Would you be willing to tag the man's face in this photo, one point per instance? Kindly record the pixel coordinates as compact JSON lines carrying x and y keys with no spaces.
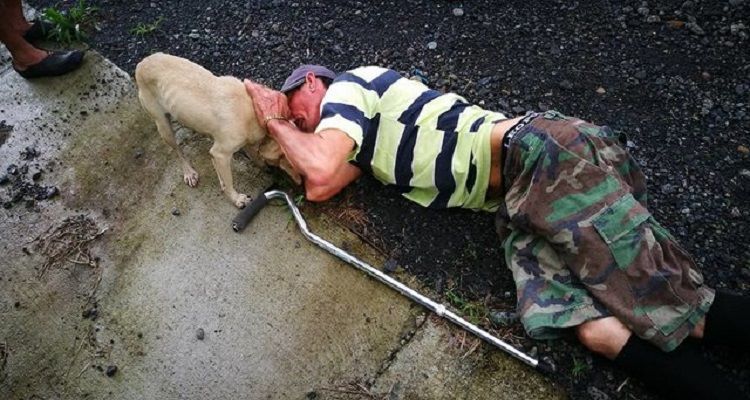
{"x":304,"y":105}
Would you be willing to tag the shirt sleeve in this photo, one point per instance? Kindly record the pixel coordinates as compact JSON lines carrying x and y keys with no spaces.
{"x":345,"y":107}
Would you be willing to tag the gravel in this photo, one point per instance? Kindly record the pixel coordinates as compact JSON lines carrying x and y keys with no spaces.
{"x":673,"y":74}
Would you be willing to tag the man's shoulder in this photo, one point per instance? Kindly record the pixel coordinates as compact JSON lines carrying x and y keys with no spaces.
{"x":365,"y":75}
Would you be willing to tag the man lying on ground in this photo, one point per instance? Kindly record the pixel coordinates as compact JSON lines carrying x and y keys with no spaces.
{"x":570,"y":206}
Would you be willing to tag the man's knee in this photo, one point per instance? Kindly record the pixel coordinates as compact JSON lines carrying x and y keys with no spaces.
{"x":605,"y":336}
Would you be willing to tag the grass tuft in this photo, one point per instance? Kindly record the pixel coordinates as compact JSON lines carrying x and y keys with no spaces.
{"x":143,"y":29}
{"x":474,"y":311}
{"x":67,"y":25}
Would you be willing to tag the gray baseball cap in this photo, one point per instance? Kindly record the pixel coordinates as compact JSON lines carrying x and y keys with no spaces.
{"x":297,"y":76}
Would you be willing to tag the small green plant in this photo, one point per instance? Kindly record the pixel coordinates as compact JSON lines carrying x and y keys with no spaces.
{"x":473,"y":311}
{"x":67,"y":24}
{"x":143,"y":29}
{"x":580,"y":367}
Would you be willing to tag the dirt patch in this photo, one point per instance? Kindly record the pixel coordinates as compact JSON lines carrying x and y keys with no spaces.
{"x":69,"y":242}
{"x":22,"y":182}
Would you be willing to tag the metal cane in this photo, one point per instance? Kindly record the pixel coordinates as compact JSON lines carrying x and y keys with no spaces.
{"x":243,"y":218}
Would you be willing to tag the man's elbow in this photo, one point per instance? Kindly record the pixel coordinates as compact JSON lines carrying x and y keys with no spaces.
{"x":318,"y":193}
{"x":320,"y":188}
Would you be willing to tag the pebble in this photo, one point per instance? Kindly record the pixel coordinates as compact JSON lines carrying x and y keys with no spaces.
{"x":138,"y":153}
{"x":601,"y":90}
{"x":503,"y":318}
{"x":566,"y":84}
{"x":695,"y":28}
{"x":675,"y":24}
{"x":458,"y":11}
{"x":390,"y":266}
{"x":736,"y":212}
{"x":743,"y":149}
{"x":745,"y":173}
{"x":200,"y":334}
{"x":667,"y":188}
{"x":741,"y":89}
{"x":111,"y":370}
{"x":432,"y":45}
{"x":596,"y":394}
{"x":175,"y":211}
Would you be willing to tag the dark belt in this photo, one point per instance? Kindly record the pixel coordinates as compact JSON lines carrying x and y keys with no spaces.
{"x":506,"y":144}
{"x":517,"y":128}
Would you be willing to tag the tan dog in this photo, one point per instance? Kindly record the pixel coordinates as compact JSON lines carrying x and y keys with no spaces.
{"x":219,"y":107}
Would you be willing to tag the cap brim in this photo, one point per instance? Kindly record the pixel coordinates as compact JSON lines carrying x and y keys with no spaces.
{"x":292,"y":85}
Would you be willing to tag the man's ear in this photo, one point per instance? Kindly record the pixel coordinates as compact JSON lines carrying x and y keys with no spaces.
{"x":310,"y":81}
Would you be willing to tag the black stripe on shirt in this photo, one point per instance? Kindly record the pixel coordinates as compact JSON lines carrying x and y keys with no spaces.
{"x":384,"y":81}
{"x":366,"y":151}
{"x":444,"y":180}
{"x":475,"y":126}
{"x":405,"y":153}
{"x":369,"y":129}
{"x":470,"y":180}
{"x":349,"y":77}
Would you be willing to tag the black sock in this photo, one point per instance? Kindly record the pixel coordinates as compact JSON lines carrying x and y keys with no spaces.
{"x":728,"y":321}
{"x":680,"y":374}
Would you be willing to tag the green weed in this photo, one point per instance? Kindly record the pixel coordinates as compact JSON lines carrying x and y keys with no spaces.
{"x":474,"y":312}
{"x":143,"y":29}
{"x":580,"y":367}
{"x":67,"y":25}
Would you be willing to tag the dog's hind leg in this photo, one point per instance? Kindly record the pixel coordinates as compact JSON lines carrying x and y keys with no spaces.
{"x":164,"y":126}
{"x":221,"y":157}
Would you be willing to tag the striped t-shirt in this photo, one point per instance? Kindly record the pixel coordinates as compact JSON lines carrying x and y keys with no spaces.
{"x":434,"y":147}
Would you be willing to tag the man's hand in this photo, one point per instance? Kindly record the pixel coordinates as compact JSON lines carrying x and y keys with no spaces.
{"x":269,"y":104}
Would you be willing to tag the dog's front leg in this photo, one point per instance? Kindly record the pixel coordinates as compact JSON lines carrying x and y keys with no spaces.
{"x":222,"y":161}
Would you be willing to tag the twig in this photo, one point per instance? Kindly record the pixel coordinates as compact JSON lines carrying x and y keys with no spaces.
{"x":473,"y":348}
{"x":622,"y":384}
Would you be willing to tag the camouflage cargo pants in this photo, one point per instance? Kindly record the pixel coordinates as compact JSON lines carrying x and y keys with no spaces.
{"x":581,"y":243}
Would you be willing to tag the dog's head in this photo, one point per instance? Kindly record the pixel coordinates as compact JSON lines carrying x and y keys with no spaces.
{"x":270,"y":153}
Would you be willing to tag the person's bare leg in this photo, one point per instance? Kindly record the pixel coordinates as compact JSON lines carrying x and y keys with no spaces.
{"x":604,"y":336}
{"x":12,"y":27}
{"x":697,"y":332}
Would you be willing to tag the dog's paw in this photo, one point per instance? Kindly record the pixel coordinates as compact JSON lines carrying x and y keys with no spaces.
{"x":191,"y":178}
{"x":240,"y":201}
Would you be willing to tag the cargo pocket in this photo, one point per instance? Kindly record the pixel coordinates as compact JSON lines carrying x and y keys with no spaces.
{"x":617,"y":226}
{"x":651,"y":286}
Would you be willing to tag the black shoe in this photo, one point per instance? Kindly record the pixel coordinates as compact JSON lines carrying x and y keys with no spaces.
{"x":56,"y":63}
{"x":38,"y":30}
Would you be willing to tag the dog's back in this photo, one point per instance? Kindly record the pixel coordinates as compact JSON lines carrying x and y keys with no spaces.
{"x":195,"y":97}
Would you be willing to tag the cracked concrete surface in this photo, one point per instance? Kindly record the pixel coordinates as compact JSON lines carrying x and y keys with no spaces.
{"x":180,"y":304}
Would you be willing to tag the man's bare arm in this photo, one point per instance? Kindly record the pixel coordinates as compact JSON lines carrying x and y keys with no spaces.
{"x":320,"y":157}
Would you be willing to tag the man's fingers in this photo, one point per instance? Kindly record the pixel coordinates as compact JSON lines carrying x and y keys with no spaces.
{"x":252,"y":87}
